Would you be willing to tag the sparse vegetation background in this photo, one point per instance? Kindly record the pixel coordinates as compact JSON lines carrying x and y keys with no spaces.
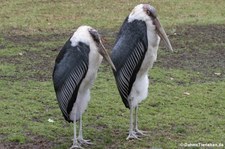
{"x":186,"y":102}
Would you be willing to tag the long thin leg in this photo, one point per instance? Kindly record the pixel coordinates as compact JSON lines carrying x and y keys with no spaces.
{"x":80,"y":129}
{"x":131,"y":121}
{"x":75,"y":142}
{"x":136,"y":118}
{"x":80,"y":137}
{"x":132,"y":134}
{"x":138,"y":132}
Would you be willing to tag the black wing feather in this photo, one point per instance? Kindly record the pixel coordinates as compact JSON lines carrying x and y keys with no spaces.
{"x":128,"y":55}
{"x":71,"y":66}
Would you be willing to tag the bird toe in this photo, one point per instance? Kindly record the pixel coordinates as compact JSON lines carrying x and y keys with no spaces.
{"x":76,"y":146}
{"x":132,"y":135}
{"x":83,"y":141}
{"x":140,"y":132}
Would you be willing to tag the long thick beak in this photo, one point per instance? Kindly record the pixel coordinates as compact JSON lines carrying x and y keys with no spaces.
{"x":162,"y":34}
{"x":105,"y":55}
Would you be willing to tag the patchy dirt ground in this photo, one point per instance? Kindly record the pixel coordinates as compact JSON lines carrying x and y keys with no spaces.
{"x":36,"y":143}
{"x":197,"y":48}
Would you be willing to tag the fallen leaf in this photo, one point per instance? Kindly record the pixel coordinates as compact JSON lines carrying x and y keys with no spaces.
{"x":50,"y":120}
{"x":186,"y":93}
{"x":217,"y":73}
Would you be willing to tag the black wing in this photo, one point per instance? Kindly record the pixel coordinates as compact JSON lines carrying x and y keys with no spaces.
{"x":71,"y":66}
{"x":128,"y":55}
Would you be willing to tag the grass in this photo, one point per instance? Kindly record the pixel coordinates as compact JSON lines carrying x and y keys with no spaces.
{"x":42,"y":15}
{"x":186,"y":99}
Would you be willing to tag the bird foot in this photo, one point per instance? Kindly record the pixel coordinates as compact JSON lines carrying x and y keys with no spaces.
{"x":140,"y":132}
{"x":76,"y":146}
{"x":82,"y":141}
{"x":132,"y":135}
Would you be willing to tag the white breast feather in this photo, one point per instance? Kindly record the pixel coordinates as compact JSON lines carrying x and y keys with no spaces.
{"x":83,"y":96}
{"x":95,"y":60}
{"x":139,"y":89}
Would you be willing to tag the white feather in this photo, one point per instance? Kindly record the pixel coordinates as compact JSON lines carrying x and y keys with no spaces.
{"x":81,"y":35}
{"x":95,"y":59}
{"x":139,"y":89}
{"x":138,"y":14}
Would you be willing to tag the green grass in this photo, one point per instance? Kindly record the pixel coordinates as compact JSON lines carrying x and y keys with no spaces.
{"x":33,"y":31}
{"x":169,"y":115}
{"x":44,"y":15}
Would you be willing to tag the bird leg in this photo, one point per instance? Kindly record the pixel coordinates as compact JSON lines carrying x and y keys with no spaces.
{"x":75,"y":141}
{"x":80,"y":136}
{"x":132,"y":133}
{"x":137,"y":131}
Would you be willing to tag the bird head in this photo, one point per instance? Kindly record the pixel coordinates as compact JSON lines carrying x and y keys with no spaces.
{"x":148,"y":13}
{"x":101,"y":48}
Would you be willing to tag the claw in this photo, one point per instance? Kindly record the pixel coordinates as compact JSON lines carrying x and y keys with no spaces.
{"x":87,"y":142}
{"x":132,"y":135}
{"x":76,"y":146}
{"x":140,"y":132}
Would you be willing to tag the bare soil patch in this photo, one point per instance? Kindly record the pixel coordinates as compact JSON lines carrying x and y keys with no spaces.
{"x":36,"y":142}
{"x":197,"y":48}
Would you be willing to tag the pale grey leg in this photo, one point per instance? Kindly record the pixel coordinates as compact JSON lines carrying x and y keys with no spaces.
{"x":132,"y":134}
{"x":75,"y":141}
{"x":137,"y":131}
{"x":80,"y":137}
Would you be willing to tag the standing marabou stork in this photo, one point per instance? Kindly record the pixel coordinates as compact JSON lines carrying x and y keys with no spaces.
{"x":74,"y":73}
{"x":134,"y":52}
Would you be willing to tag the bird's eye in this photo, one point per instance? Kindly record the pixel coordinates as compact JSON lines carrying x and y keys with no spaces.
{"x":96,"y":38}
{"x":149,"y":12}
{"x":94,"y":35}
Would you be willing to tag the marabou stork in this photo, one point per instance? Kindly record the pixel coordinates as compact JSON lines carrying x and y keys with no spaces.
{"x":74,"y":73}
{"x":134,"y":52}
